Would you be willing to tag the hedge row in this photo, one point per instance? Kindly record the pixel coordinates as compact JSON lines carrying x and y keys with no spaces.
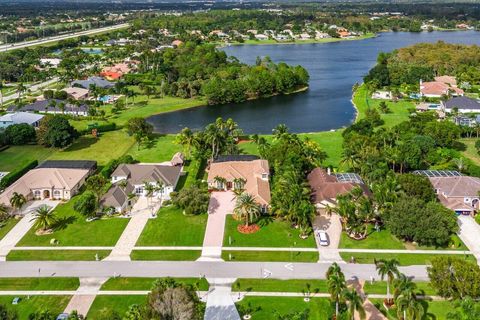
{"x":16,"y":174}
{"x":108,"y":169}
{"x":101,"y":128}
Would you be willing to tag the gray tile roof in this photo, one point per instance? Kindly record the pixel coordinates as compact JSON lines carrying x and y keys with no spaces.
{"x":97,"y":81}
{"x":44,"y":106}
{"x":140,"y":173}
{"x":117,"y":195}
{"x":462,"y":103}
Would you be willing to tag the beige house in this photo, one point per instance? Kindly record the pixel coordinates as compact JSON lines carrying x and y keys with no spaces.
{"x":242,"y":172}
{"x":454,"y":190}
{"x":77,"y":93}
{"x":55,"y":180}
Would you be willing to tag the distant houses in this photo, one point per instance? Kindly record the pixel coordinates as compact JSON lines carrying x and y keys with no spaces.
{"x":98,"y":82}
{"x":52,"y":106}
{"x":20,"y":117}
{"x":77,"y":93}
{"x":442,"y":86}
{"x":461,"y":104}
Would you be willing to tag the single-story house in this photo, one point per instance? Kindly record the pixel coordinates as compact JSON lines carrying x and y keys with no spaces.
{"x":454,"y":190}
{"x":47,"y":106}
{"x":244,"y":172}
{"x":55,"y":180}
{"x":443,"y":85}
{"x":380,"y":94}
{"x":77,"y":93}
{"x":52,"y":62}
{"x":463,"y":104}
{"x":326,"y":186}
{"x":20,"y":117}
{"x":261,"y":37}
{"x":131,"y":179}
{"x":99,"y":82}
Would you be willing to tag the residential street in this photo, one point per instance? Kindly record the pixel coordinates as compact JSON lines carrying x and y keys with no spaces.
{"x":209,"y":269}
{"x":32,"y":88}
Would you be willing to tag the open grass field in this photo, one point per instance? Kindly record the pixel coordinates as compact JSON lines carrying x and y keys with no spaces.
{"x":272,"y":234}
{"x":17,"y":156}
{"x":74,"y":230}
{"x":143,"y":284}
{"x":272,"y":307}
{"x":405,"y":259}
{"x":471,"y":151}
{"x":39,"y":283}
{"x":117,"y":303}
{"x":275,"y":285}
{"x":56,"y":255}
{"x":173,"y":228}
{"x":32,"y":304}
{"x":7,"y":226}
{"x":166,"y":255}
{"x":161,"y":149}
{"x":110,"y":145}
{"x":272,"y":256}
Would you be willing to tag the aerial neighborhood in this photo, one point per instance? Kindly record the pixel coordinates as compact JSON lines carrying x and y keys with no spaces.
{"x":222,"y":160}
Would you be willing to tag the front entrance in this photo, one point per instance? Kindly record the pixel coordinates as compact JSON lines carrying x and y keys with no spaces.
{"x":229,"y":185}
{"x":46,"y":194}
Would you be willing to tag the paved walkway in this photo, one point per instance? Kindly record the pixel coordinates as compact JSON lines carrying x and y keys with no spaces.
{"x":333,"y":227}
{"x":220,"y":305}
{"x":221,"y":204}
{"x":372,"y":313}
{"x":85,"y":295}
{"x":142,"y":210}
{"x":21,"y":228}
{"x":469,"y":233}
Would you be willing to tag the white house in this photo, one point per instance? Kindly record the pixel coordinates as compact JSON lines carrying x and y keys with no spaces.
{"x":20,"y":117}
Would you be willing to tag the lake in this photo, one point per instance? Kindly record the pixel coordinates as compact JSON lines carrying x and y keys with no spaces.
{"x":333,"y":67}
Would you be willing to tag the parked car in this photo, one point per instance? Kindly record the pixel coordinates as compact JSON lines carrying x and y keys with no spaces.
{"x":322,"y":235}
{"x":62,"y":316}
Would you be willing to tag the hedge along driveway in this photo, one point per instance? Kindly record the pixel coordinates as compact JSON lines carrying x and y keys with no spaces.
{"x":74,"y":230}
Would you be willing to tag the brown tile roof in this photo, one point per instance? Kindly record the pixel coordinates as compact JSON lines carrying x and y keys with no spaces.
{"x":251,"y":171}
{"x":326,"y":187}
{"x":438,"y":88}
{"x":452,"y":81}
{"x":460,"y":186}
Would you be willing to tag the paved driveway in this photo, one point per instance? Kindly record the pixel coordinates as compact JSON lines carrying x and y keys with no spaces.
{"x":470,"y":234}
{"x":333,"y":227}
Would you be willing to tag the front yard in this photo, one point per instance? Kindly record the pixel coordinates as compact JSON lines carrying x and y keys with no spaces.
{"x":31,"y":304}
{"x":74,"y":230}
{"x":117,"y":303}
{"x":7,"y":226}
{"x":57,"y":255}
{"x":173,"y":228}
{"x":275,"y":233}
{"x":145,"y":284}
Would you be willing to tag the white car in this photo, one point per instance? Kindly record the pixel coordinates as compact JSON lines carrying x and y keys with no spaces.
{"x":323,"y":237}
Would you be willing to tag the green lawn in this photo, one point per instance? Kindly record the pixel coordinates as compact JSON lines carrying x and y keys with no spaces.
{"x":110,"y":145}
{"x":273,"y":234}
{"x":287,"y":256}
{"x":173,"y":228}
{"x":56,"y":255}
{"x":39,"y":283}
{"x":143,"y":284}
{"x":385,"y":240}
{"x":28,"y":305}
{"x":471,"y":151}
{"x":16,"y":156}
{"x":166,"y":255}
{"x":270,"y":307}
{"x":161,"y":149}
{"x":117,"y":303}
{"x":380,"y":287}
{"x":435,"y":310}
{"x":275,"y":285}
{"x":7,"y":226}
{"x":405,"y":259}
{"x":74,"y":230}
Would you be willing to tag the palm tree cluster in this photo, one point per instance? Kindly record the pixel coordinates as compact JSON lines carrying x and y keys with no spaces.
{"x":217,"y":138}
{"x":340,"y":294}
{"x":247,"y":208}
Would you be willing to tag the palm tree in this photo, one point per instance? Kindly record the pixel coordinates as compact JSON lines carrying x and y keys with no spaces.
{"x":186,"y":139}
{"x":220,"y":181}
{"x":409,"y":307}
{"x":44,"y":218}
{"x":149,"y":189}
{"x":389,"y":269}
{"x":3,"y":211}
{"x":247,"y":208}
{"x":354,"y":303}
{"x":334,"y":270}
{"x":20,"y":89}
{"x":17,"y":201}
{"x":403,"y":285}
{"x":336,"y":286}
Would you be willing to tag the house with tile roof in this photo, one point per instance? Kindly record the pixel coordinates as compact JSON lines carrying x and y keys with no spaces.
{"x":130,"y":179}
{"x":99,"y":82}
{"x":463,"y":105}
{"x":326,"y":186}
{"x":20,"y":117}
{"x":443,"y":85}
{"x":242,"y":173}
{"x":52,"y":106}
{"x":50,"y":181}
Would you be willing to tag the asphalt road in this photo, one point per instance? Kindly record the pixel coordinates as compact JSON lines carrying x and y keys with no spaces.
{"x":25,"y":44}
{"x":154,"y":269}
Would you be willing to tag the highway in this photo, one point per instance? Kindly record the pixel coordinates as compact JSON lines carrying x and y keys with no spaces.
{"x":25,"y":44}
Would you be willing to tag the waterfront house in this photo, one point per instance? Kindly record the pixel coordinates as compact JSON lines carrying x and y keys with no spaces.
{"x":245,"y":173}
{"x":442,"y":86}
{"x":462,"y":104}
{"x":20,"y":117}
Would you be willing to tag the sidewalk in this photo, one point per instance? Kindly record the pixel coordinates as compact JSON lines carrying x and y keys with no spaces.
{"x":220,"y":305}
{"x":21,"y":228}
{"x":141,"y":212}
{"x":469,"y":233}
{"x":221,"y":204}
{"x":85,"y":295}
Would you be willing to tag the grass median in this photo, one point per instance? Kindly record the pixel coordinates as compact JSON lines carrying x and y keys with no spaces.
{"x":274,"y":307}
{"x":143,"y":284}
{"x":57,"y":255}
{"x":275,"y":285}
{"x":405,"y":259}
{"x":39,"y":283}
{"x":166,"y":255}
{"x":271,"y":256}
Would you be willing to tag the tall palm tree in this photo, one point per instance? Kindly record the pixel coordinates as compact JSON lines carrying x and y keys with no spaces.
{"x":44,"y":218}
{"x":389,"y":269}
{"x":336,"y":287}
{"x":21,"y":88}
{"x":354,"y":303}
{"x":17,"y":201}
{"x":408,"y":307}
{"x":149,"y":190}
{"x":186,"y":139}
{"x":247,"y":208}
{"x":403,"y":285}
{"x":334,"y":270}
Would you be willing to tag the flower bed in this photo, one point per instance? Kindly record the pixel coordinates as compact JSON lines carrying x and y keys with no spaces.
{"x":248,"y":229}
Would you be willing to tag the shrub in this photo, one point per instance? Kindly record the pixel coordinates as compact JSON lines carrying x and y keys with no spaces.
{"x":16,"y":174}
{"x":193,"y":200}
{"x":18,"y":134}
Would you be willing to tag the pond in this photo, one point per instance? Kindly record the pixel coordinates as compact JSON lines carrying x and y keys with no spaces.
{"x":334,"y":68}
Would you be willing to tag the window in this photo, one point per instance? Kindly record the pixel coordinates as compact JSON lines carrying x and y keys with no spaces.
{"x":139,"y":190}
{"x":37,"y":194}
{"x":264,"y":176}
